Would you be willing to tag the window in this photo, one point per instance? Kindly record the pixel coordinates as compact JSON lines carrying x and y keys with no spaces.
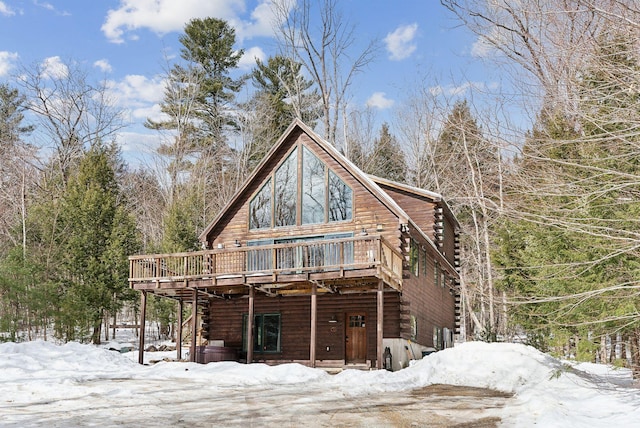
{"x":437,"y":338}
{"x":260,"y":208}
{"x":322,"y":196}
{"x":413,"y":257}
{"x":423,"y":261}
{"x":340,"y":199}
{"x":357,"y":321}
{"x":286,"y":186}
{"x":436,"y":274}
{"x":313,"y":188}
{"x":266,"y":333}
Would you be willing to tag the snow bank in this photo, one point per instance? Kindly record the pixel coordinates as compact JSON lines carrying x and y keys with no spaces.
{"x":547,"y":392}
{"x":229,"y":373}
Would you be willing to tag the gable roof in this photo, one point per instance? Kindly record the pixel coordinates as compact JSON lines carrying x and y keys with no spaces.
{"x":433,"y":196}
{"x":369,"y":182}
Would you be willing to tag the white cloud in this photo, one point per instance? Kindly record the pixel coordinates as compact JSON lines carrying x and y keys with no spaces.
{"x":44,"y":5}
{"x":164,"y":16}
{"x":48,"y":6}
{"x":400,"y":43}
{"x":451,"y":90}
{"x":5,"y":9}
{"x":262,"y":21}
{"x":248,"y":60}
{"x":103,"y":65}
{"x":137,"y":142}
{"x":6,"y":62}
{"x":138,"y":88}
{"x":54,"y":68}
{"x":380,"y":101}
{"x":481,"y":48}
{"x":139,"y":95}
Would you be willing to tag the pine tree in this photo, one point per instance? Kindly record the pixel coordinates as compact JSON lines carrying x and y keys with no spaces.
{"x":207,"y":49}
{"x":282,"y":94}
{"x":576,"y":231}
{"x":94,"y":235}
{"x":387,"y":159}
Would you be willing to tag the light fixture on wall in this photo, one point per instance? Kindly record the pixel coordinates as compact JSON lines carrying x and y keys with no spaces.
{"x":236,"y":243}
{"x":220,"y":246}
{"x":379,"y":227}
{"x":363,"y":232}
{"x":333,"y":319}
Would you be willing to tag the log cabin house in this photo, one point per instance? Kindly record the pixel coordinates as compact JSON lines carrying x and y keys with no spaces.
{"x":313,"y":261}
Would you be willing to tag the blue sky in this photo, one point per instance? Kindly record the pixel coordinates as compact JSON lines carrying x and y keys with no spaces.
{"x":128,"y":43}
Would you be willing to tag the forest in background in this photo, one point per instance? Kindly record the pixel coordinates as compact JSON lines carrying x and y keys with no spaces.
{"x":544,"y":177}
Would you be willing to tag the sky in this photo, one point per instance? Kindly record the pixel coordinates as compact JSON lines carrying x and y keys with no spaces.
{"x":130,"y":42}
{"x":49,"y":385}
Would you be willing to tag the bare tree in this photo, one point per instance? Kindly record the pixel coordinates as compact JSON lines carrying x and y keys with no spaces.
{"x":548,"y":40}
{"x":17,"y":173}
{"x":455,"y":150}
{"x":70,"y":111}
{"x":317,"y":35}
{"x":178,"y":129}
{"x":571,"y":243}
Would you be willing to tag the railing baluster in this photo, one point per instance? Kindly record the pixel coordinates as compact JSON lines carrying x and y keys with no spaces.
{"x":333,"y":255}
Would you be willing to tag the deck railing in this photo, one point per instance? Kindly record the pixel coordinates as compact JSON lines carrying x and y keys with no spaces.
{"x":296,"y":257}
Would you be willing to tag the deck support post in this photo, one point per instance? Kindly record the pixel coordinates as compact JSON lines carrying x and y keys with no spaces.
{"x":314,"y":316}
{"x":143,"y":320}
{"x":380,"y":324}
{"x":194,"y":326}
{"x":250,"y":318}
{"x":179,"y":332}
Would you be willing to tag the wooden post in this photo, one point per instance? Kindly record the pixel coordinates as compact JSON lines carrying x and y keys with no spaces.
{"x":380,"y":324}
{"x":314,"y":313}
{"x":250,"y":327}
{"x":179,"y":332}
{"x":194,"y":326}
{"x":143,"y":320}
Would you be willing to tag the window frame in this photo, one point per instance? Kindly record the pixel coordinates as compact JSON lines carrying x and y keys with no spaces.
{"x":257,"y":347}
{"x":329,"y":176}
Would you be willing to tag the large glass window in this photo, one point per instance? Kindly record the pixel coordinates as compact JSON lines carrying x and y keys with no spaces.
{"x":340,"y":199}
{"x":286,"y":186}
{"x":322,"y":197}
{"x":313,"y":188}
{"x":260,"y":208}
{"x":266,"y":333}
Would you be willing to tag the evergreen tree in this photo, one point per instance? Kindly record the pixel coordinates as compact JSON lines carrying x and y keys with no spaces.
{"x":465,"y":170}
{"x":387,"y":159}
{"x":199,"y":100}
{"x":94,"y":235}
{"x":12,"y":107}
{"x":207,"y":49}
{"x":575,"y":239}
{"x":282,"y":94}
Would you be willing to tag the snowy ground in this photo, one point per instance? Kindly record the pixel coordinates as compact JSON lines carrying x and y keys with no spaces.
{"x":43,"y":384}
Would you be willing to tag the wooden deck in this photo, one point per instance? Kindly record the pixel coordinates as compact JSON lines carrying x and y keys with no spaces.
{"x":335,"y":265}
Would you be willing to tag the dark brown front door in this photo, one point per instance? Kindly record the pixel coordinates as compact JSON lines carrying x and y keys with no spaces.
{"x":356,"y":338}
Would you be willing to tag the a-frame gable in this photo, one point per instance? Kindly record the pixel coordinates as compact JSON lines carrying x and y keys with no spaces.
{"x":270,"y":161}
{"x":328,"y":154}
